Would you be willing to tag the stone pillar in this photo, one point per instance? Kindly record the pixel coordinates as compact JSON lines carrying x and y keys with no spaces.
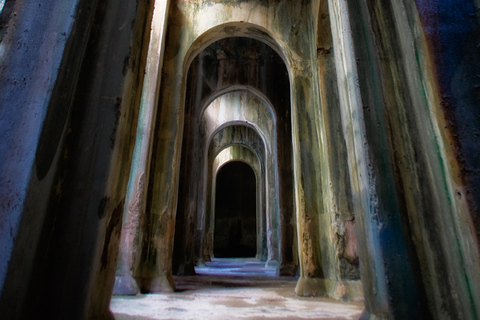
{"x":343,"y":237}
{"x":288,"y":261}
{"x":186,"y":215}
{"x":387,"y":266}
{"x":134,"y":210}
{"x":70,"y":91}
{"x":155,"y":271}
{"x":311,"y":184}
{"x":354,"y":133}
{"x":34,"y":95}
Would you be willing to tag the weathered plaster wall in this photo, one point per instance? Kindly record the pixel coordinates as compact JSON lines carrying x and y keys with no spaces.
{"x":24,"y":100}
{"x":452,"y":34}
{"x":451,"y":38}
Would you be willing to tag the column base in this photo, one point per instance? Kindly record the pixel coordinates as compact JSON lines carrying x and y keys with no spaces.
{"x":200,"y":263}
{"x":125,"y":285}
{"x":311,"y":287}
{"x":370,"y":316}
{"x":154,"y":285}
{"x":271,"y":263}
{"x":106,"y":315}
{"x":346,"y":290}
{"x":186,"y":269}
{"x":287,"y":270}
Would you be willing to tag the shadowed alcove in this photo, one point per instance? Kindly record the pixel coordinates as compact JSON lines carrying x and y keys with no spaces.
{"x":235,"y":233}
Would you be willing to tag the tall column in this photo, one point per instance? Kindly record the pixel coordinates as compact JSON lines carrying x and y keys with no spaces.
{"x":355,"y":136}
{"x":135,"y":203}
{"x":288,"y":264}
{"x":311,"y":185}
{"x":371,"y":108}
{"x":35,"y":102}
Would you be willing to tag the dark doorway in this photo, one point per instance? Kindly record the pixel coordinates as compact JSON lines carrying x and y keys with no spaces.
{"x":235,"y":232}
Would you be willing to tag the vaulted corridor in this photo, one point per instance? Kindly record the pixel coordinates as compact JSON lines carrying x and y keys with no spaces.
{"x":317,"y":156}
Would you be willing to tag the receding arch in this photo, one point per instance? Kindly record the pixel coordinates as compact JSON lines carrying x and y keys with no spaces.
{"x":250,"y":91}
{"x":241,"y":102}
{"x":184,"y":214}
{"x":242,"y":143}
{"x":239,"y":107}
{"x":235,"y":29}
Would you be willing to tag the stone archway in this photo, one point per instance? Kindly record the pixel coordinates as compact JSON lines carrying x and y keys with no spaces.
{"x":308,"y":187}
{"x":246,"y":146}
{"x":228,"y":85}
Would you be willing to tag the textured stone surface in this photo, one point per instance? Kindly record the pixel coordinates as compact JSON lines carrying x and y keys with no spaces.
{"x":304,"y":115}
{"x":134,"y":217}
{"x":275,"y":302}
{"x":233,"y":289}
{"x":375,"y":130}
{"x":82,"y":71}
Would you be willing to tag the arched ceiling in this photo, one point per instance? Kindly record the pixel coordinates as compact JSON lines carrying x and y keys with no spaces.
{"x":238,"y":63}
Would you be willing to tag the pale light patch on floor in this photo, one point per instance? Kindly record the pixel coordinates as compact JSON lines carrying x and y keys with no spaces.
{"x":223,"y":291}
{"x":228,"y":303}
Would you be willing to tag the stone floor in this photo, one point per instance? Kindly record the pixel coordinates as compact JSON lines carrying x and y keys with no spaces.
{"x":232,"y":289}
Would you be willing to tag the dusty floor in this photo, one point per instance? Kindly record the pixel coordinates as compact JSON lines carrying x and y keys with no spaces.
{"x":232,"y":289}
